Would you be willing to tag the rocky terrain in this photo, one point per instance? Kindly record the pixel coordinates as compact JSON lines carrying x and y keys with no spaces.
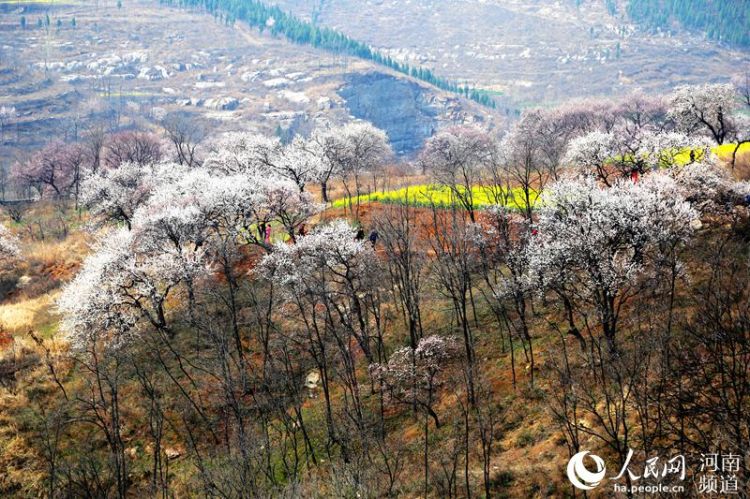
{"x":402,"y":107}
{"x":531,"y":50}
{"x":116,"y":66}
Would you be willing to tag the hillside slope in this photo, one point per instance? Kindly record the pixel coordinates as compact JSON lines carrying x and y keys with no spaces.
{"x":133,"y":65}
{"x":534,"y":51}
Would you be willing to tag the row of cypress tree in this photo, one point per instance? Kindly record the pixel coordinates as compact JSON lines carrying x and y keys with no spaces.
{"x":258,"y":14}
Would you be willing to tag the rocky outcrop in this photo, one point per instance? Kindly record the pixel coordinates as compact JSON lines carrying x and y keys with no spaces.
{"x":392,"y":104}
{"x":222,"y":103}
{"x":407,"y":111}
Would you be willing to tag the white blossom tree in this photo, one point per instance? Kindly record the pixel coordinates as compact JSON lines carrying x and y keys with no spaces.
{"x":706,"y":109}
{"x":365,"y":149}
{"x":349,"y":151}
{"x":115,"y":194}
{"x":329,"y":267}
{"x":298,"y":163}
{"x":289,"y":207}
{"x":177,"y":215}
{"x":329,"y":283}
{"x":242,"y":152}
{"x":612,"y":155}
{"x":593,"y":243}
{"x":709,"y":186}
{"x":592,"y":153}
{"x":234,"y":205}
{"x":458,"y":158}
{"x":122,"y":289}
{"x":8,"y":244}
{"x":660,"y":150}
{"x":332,"y":267}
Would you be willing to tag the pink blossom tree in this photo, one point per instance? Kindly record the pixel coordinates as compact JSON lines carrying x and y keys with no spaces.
{"x":57,"y":169}
{"x":412,"y":376}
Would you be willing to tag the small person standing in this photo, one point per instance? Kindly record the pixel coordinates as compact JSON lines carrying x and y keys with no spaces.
{"x":373,"y":237}
{"x":360,"y":234}
{"x":268,"y":234}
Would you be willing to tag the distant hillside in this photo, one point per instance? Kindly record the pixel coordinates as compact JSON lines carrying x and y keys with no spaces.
{"x":540,"y":51}
{"x":279,"y":22}
{"x":723,"y":20}
{"x":154,"y":61}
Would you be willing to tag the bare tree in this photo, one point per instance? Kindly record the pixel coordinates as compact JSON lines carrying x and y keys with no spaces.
{"x":7,"y":115}
{"x":406,"y":263}
{"x":185,"y":135}
{"x":141,"y":148}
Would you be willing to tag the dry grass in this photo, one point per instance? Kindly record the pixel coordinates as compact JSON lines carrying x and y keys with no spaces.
{"x":742,"y":165}
{"x":35,"y":314}
{"x":52,"y":248}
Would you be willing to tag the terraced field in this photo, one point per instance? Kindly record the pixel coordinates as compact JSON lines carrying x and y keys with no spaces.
{"x":535,"y":52}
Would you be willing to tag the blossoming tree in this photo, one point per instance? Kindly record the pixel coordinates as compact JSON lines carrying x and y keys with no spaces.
{"x":8,"y":244}
{"x":594,"y":244}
